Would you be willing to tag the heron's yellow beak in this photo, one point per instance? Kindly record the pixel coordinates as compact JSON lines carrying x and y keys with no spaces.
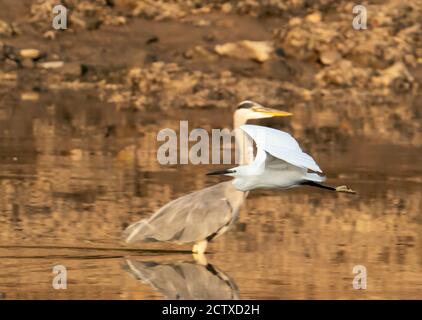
{"x":270,"y":112}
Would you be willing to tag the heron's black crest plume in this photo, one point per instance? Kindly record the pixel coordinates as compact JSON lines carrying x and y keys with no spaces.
{"x":245,"y":105}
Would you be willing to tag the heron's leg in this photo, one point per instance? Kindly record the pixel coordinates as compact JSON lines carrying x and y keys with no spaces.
{"x":198,"y":251}
{"x":200,"y":247}
{"x":200,"y":259}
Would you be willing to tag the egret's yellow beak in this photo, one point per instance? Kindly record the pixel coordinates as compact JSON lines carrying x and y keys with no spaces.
{"x":270,"y":112}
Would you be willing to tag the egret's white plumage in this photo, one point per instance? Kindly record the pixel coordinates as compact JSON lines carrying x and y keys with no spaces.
{"x":279,"y":162}
{"x":269,"y":172}
{"x":280,"y":145}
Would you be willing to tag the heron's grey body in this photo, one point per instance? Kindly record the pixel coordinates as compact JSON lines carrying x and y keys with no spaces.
{"x":196,"y":217}
{"x":185,"y":280}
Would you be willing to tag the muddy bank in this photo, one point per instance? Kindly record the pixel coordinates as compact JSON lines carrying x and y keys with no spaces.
{"x":173,"y":55}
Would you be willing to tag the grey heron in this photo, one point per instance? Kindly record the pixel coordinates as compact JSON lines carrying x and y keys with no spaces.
{"x":203,"y":215}
{"x":280,"y":163}
{"x":185,"y":280}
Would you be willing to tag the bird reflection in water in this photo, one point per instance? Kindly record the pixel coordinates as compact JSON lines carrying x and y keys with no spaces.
{"x":185,"y":280}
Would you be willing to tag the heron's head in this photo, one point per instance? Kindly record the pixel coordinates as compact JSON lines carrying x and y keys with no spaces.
{"x":248,"y":110}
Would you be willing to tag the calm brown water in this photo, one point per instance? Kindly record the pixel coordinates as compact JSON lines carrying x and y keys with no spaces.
{"x":75,"y":171}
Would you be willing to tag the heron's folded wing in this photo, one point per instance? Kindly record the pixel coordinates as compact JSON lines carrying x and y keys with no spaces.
{"x":192,"y":217}
{"x":280,"y":145}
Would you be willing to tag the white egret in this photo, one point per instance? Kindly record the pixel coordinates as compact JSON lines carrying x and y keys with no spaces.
{"x":206,"y":214}
{"x":280,"y":163}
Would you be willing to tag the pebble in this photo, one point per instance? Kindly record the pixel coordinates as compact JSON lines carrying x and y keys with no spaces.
{"x":295,"y":21}
{"x":256,"y":50}
{"x":314,"y":17}
{"x":51,"y":35}
{"x":30,"y":96}
{"x":330,"y":56}
{"x":227,"y":7}
{"x":30,"y":53}
{"x":76,"y":154}
{"x":202,"y":23}
{"x":51,"y":64}
{"x":5,"y":29}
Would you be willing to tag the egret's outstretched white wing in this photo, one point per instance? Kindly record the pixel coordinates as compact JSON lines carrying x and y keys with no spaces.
{"x":280,"y":145}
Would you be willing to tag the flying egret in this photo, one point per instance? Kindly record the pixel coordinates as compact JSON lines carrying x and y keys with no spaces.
{"x":205,"y":214}
{"x":280,"y":163}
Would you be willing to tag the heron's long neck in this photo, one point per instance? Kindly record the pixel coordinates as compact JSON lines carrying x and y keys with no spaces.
{"x":244,"y":146}
{"x":242,"y":142}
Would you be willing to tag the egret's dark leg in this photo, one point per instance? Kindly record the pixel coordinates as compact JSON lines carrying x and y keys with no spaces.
{"x":317,"y":185}
{"x":336,"y":189}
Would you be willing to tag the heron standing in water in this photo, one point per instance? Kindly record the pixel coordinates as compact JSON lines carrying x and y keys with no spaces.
{"x":201,"y":216}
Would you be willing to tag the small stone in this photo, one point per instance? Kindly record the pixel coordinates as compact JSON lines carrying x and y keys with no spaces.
{"x":226,"y":74}
{"x":30,"y":53}
{"x":397,"y":77}
{"x":330,"y":56}
{"x":204,"y":9}
{"x":188,"y":54}
{"x":30,"y":96}
{"x":8,"y":77}
{"x":76,"y":154}
{"x":256,"y":50}
{"x":118,"y":21}
{"x":295,"y":21}
{"x":202,"y":23}
{"x":227,"y":7}
{"x":314,"y":17}
{"x":51,"y":35}
{"x":51,"y":64}
{"x":5,"y":29}
{"x":199,"y":52}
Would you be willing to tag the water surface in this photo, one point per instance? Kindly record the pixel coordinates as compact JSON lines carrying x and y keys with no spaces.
{"x":75,"y":171}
